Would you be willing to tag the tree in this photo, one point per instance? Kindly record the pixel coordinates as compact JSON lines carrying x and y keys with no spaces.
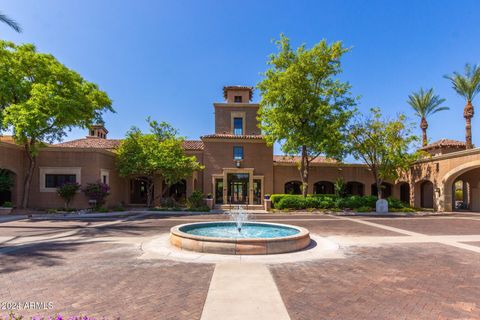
{"x":157,"y":153}
{"x":467,"y":86}
{"x":303,"y":106}
{"x":10,"y":22}
{"x":383,"y":145}
{"x":41,"y":99}
{"x":67,"y":192}
{"x":425,"y":104}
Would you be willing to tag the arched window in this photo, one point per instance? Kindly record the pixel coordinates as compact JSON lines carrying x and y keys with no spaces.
{"x":323,"y":187}
{"x":293,"y":187}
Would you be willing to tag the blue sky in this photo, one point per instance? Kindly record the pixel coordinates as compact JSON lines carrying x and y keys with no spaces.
{"x":170,"y":59}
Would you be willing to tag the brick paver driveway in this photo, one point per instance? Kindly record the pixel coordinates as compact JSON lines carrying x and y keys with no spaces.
{"x":73,"y":265}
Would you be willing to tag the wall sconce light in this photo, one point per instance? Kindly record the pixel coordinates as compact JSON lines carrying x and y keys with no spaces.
{"x":237,"y":164}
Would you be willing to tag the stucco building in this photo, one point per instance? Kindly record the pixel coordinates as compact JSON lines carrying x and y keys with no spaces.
{"x":239,"y":167}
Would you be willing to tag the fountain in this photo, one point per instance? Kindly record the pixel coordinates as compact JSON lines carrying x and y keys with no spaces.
{"x":239,"y":216}
{"x":239,"y":236}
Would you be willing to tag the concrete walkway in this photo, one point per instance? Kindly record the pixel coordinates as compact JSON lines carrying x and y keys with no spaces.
{"x":243,"y":291}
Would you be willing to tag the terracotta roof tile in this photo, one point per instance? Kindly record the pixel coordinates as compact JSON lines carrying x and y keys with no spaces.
{"x":296,"y":159}
{"x":98,"y":143}
{"x":226,"y":88}
{"x":442,"y":143}
{"x":231,"y":136}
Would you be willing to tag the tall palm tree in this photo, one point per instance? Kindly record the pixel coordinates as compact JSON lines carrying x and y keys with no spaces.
{"x":425,"y":103}
{"x":12,"y":23}
{"x":467,"y":86}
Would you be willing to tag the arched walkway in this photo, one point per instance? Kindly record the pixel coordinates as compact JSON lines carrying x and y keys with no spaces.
{"x":386,"y":190}
{"x":355,"y":188}
{"x":293,"y":187}
{"x":404,"y":192}
{"x":177,"y":191}
{"x":469,"y":172}
{"x":323,"y":187}
{"x":7,"y":186}
{"x":426,"y":194}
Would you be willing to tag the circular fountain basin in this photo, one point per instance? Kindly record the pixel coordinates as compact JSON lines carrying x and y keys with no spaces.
{"x":254,"y":238}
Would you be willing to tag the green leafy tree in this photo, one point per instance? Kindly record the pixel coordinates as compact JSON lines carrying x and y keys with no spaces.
{"x":67,"y":192}
{"x":467,"y":85}
{"x":425,"y":104}
{"x":157,"y":153}
{"x":383,"y":145}
{"x":303,"y":106}
{"x":41,"y":100}
{"x":10,"y":22}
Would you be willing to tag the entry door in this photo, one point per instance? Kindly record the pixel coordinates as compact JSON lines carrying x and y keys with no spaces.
{"x":138,"y":191}
{"x":238,"y":192}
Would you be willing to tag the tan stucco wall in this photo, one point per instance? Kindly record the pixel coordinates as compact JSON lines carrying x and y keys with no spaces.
{"x":219,"y":155}
{"x":223,"y":117}
{"x":12,"y":158}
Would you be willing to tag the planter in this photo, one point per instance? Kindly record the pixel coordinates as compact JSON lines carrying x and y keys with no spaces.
{"x":5,"y":210}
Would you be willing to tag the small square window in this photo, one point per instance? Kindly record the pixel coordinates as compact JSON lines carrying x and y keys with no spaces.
{"x":237,"y":153}
{"x":237,"y":99}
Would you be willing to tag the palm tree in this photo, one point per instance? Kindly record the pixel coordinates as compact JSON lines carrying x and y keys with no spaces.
{"x":12,"y":23}
{"x":467,"y":86}
{"x":425,"y":104}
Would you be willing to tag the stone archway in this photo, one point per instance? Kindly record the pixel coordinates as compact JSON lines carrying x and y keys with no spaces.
{"x":426,"y":194}
{"x":470,"y":171}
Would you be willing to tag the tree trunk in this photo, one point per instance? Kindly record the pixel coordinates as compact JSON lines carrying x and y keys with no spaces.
{"x":379,"y":189}
{"x":468,"y":113}
{"x":424,"y":127}
{"x":150,"y":185}
{"x":304,"y":166}
{"x":32,"y":160}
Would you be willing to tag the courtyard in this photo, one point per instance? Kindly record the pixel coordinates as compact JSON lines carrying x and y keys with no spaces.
{"x":384,"y":268}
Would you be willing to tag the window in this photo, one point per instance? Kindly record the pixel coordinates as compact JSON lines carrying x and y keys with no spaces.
{"x":57,"y":180}
{"x":104,"y":179}
{"x":238,"y":126}
{"x":237,"y":99}
{"x":237,"y":153}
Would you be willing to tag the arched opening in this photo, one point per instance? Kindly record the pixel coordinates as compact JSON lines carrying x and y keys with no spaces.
{"x":386,"y":190}
{"x":405,"y":192}
{"x":177,"y":191}
{"x":293,"y":187}
{"x":138,"y":190}
{"x":323,"y":187}
{"x":469,"y":172}
{"x":195,"y":184}
{"x":355,"y":188}
{"x":7,"y":182}
{"x":426,"y":194}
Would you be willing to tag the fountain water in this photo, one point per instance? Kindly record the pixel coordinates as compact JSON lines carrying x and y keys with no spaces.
{"x":239,"y":215}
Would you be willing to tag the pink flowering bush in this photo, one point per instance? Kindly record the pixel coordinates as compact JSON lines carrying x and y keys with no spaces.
{"x":97,"y":191}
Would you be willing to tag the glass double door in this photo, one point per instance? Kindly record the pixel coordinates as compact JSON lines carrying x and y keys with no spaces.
{"x":237,"y":188}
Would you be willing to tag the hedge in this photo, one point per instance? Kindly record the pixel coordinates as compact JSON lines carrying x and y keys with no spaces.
{"x":285,"y":201}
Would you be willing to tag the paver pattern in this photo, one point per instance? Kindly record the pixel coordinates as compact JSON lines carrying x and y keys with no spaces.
{"x":81,"y":271}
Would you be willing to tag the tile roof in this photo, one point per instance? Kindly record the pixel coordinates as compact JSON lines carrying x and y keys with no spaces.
{"x":296,"y":159}
{"x":232,"y":136}
{"x":7,"y":139}
{"x":226,"y":88}
{"x":98,"y":143}
{"x":442,"y":143}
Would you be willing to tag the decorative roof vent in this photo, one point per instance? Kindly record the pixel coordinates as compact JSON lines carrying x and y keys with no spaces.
{"x":98,"y":131}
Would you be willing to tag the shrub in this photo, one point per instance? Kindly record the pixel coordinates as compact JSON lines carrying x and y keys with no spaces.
{"x":195,"y":200}
{"x":365,"y":209}
{"x":292,"y":202}
{"x":7,"y":204}
{"x":67,"y":191}
{"x":168,"y":202}
{"x":6,"y":180}
{"x":340,"y":188}
{"x":97,"y":191}
{"x":395,"y":204}
{"x":102,"y":210}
